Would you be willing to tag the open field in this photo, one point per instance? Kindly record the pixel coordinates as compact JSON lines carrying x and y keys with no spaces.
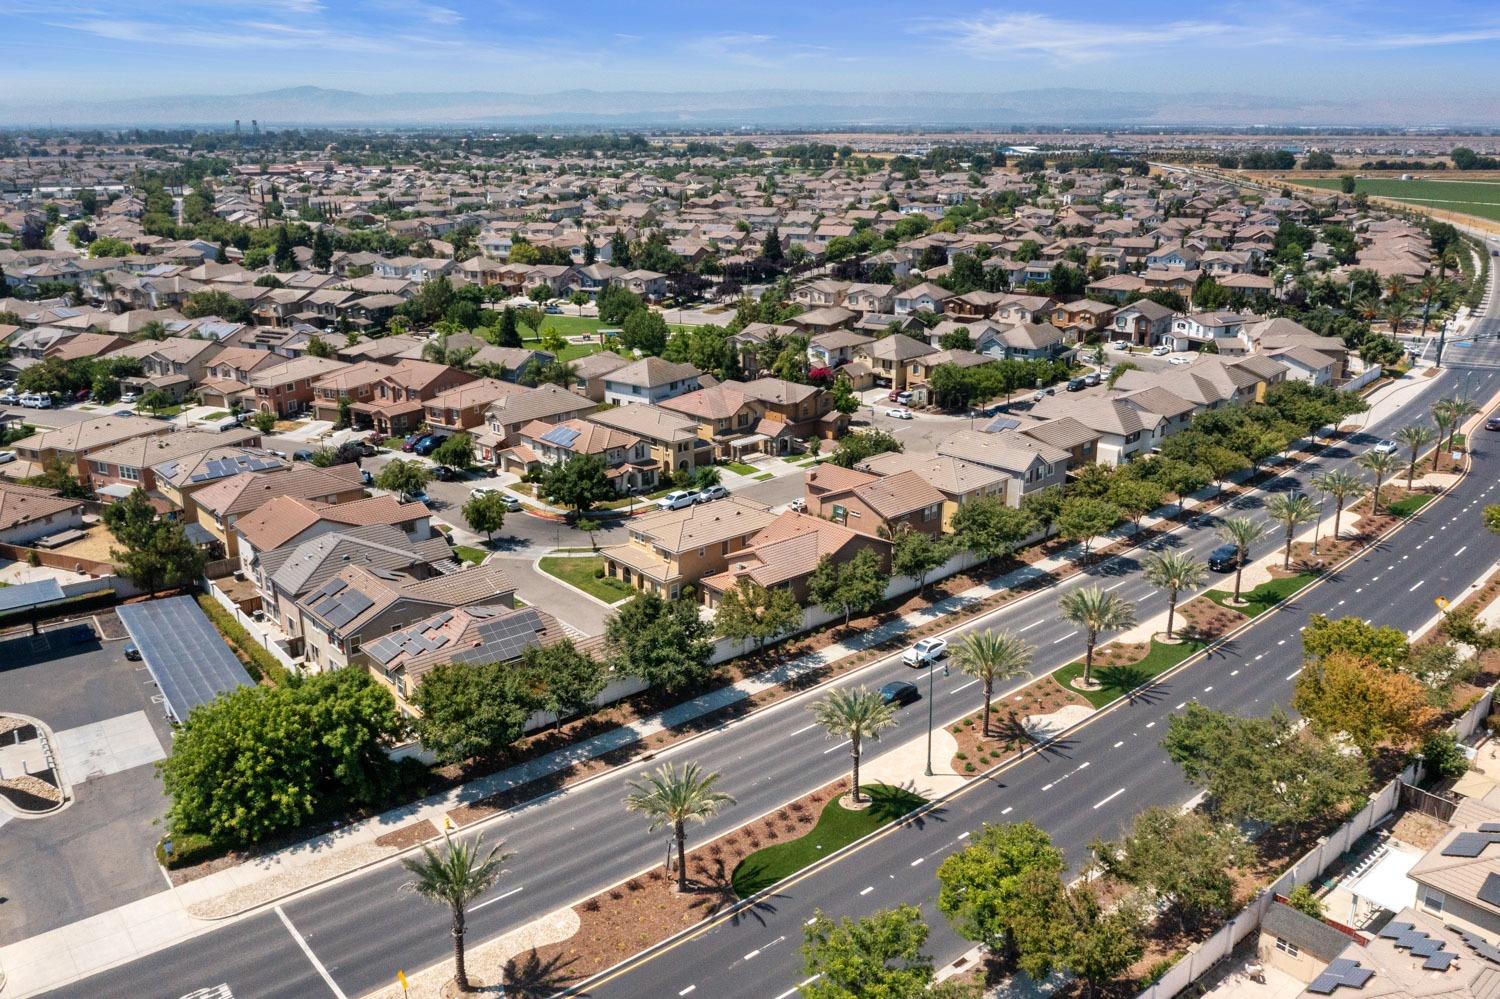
{"x":1481,"y":198}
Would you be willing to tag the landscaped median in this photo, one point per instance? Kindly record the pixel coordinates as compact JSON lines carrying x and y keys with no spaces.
{"x":1263,"y":597}
{"x":1120,"y":669}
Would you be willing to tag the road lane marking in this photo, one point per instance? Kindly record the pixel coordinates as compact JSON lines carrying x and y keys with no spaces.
{"x":914,"y":863}
{"x":868,"y":890}
{"x":1065,"y":637}
{"x":1151,"y":724}
{"x":1110,"y":798}
{"x":1034,"y":624}
{"x":839,"y":746}
{"x":1121,"y":583}
{"x":1294,"y":672}
{"x":687,"y":990}
{"x":497,"y":898}
{"x":753,"y":954}
{"x":1414,"y":586}
{"x":965,"y":686}
{"x":1180,"y":706}
{"x":1460,"y":551}
{"x":317,"y":965}
{"x":1208,"y":688}
{"x":1234,"y":672}
{"x":804,"y":728}
{"x":1118,"y":744}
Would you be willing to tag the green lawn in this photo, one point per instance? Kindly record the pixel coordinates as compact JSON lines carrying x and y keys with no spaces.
{"x":1263,"y":597}
{"x":1117,"y":681}
{"x":644,"y":499}
{"x":740,"y":468}
{"x":471,"y":555}
{"x":837,"y":827}
{"x":1473,"y":197}
{"x":217,"y":414}
{"x":1410,"y":505}
{"x":579,"y":572}
{"x":763,"y":476}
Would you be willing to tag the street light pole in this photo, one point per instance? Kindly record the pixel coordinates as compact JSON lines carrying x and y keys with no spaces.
{"x":931,"y":669}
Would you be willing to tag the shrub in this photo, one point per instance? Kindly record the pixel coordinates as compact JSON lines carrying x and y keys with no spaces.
{"x":1304,"y":901}
{"x":187,"y":849}
{"x":1442,"y":756}
{"x":968,"y":768}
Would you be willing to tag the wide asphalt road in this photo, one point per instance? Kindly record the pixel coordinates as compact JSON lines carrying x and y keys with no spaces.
{"x":351,"y":937}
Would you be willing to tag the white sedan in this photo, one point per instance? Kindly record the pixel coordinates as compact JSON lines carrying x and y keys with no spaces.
{"x":1179,"y":359}
{"x":898,"y":414}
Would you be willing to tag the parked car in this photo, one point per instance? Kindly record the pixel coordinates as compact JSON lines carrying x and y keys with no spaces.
{"x":128,"y":397}
{"x":1493,"y":423}
{"x":893,"y":395}
{"x":1041,"y":394}
{"x":1119,"y":345}
{"x":444,"y":473}
{"x":900,"y":692}
{"x":410,"y":441}
{"x":1385,"y":447}
{"x":6,"y":457}
{"x":9,"y":399}
{"x":676,"y":500}
{"x":798,"y":505}
{"x":1224,"y":558}
{"x":132,"y":653}
{"x":904,"y":398}
{"x":898,"y":414}
{"x":36,"y":400}
{"x":303,"y":454}
{"x":1076,"y":384}
{"x":428,"y":444}
{"x":553,"y":310}
{"x":1092,"y":378}
{"x":1179,"y":359}
{"x":711,"y":493}
{"x":1161,"y":350}
{"x":420,"y":496}
{"x":925,"y":652}
{"x":365,"y":477}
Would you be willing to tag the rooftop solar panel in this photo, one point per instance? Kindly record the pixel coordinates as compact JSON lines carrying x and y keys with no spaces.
{"x":27,"y":595}
{"x":1468,"y":844}
{"x":1439,"y":961}
{"x":1489,"y":892}
{"x":561,"y":436}
{"x":184,"y":654}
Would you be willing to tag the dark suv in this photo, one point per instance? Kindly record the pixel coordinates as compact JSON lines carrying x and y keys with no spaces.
{"x":1224,"y":558}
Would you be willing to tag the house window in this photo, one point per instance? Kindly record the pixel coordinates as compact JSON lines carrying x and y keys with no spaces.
{"x":724,"y":548}
{"x":130,"y":474}
{"x":1433,"y":901}
{"x":1287,"y":947}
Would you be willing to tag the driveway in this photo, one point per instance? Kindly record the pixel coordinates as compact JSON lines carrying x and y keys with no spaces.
{"x":109,"y":728}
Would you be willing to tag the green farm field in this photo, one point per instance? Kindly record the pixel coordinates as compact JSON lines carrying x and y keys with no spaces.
{"x":1472,"y":197}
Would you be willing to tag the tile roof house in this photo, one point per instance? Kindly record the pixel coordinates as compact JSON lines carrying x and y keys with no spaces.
{"x":114,"y":472}
{"x":291,"y":520}
{"x":72,"y":444}
{"x":889,"y":358}
{"x":288,"y":388}
{"x":672,"y":549}
{"x":591,"y":370}
{"x":1125,"y":431}
{"x":786,"y":552}
{"x":627,"y":458}
{"x":398,"y":397}
{"x":1031,"y":463}
{"x":27,"y":514}
{"x":462,"y":407}
{"x":650,"y":380}
{"x":872,"y":503}
{"x":1459,"y":878}
{"x":221,"y":505}
{"x":959,"y":481}
{"x":673,"y":438}
{"x":505,"y":416}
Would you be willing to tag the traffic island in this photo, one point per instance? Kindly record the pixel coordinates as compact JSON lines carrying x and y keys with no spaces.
{"x":1123,"y":675}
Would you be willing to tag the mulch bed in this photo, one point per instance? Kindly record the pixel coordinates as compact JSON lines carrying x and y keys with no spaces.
{"x":1205,"y":620}
{"x":978,"y":752}
{"x":630,"y":917}
{"x":408,"y":835}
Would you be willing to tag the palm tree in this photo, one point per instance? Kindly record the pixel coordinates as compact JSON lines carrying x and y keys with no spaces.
{"x":1462,"y":410}
{"x":1289,"y":512}
{"x":459,"y":874}
{"x":1096,"y":612}
{"x":992,"y":656}
{"x":1340,"y":484}
{"x":856,"y":715}
{"x":672,"y":797}
{"x":1242,"y":532}
{"x":1380,"y":464}
{"x":1397,"y":310}
{"x":1416,"y":436}
{"x":1174,"y":572}
{"x":1445,"y":415}
{"x":1430,"y":288}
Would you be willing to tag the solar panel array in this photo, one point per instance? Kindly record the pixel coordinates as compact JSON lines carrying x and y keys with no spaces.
{"x":184,"y":654}
{"x":1406,"y":936}
{"x":338,"y":604}
{"x":221,"y":468}
{"x":1480,"y":946}
{"x":561,"y":436}
{"x":1489,"y":892}
{"x":1341,"y":971}
{"x":504,"y":638}
{"x":1472,"y":844}
{"x":43,"y":591}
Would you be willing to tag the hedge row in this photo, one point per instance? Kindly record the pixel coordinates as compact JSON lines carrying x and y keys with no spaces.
{"x":262,"y":664}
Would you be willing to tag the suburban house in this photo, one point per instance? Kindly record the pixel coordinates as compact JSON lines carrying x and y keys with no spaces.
{"x":28,"y":514}
{"x":924,"y":297}
{"x":287,"y":389}
{"x":179,"y":479}
{"x":805,"y":411}
{"x":1082,"y":318}
{"x":1025,"y":341}
{"x":226,"y":383}
{"x":1458,"y":880}
{"x":829,"y":350}
{"x":463,"y":406}
{"x":959,"y":481}
{"x":363,"y":603}
{"x":650,"y":380}
{"x":1030,"y":464}
{"x":674,"y":441}
{"x":1124,"y":430}
{"x":1019,"y":308}
{"x":355,"y":383}
{"x":505,"y":416}
{"x":726,"y":417}
{"x":872,"y":503}
{"x":398,"y":397}
{"x":1225,"y":330}
{"x":591,"y":370}
{"x":672,"y":549}
{"x":172,"y":366}
{"x":1142,"y":322}
{"x":626,"y":457}
{"x":115,"y":472}
{"x":889,"y":358}
{"x":291,"y":520}
{"x":221,"y":505}
{"x":70,"y":446}
{"x":785,"y":553}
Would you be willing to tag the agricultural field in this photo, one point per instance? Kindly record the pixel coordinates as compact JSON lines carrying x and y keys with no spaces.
{"x":1472,"y":197}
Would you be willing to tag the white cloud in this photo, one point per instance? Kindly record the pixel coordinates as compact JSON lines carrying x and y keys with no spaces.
{"x":997,"y":36}
{"x":741,"y":47}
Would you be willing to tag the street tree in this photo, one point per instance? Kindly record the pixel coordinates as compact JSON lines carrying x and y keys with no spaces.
{"x":1341,"y":693}
{"x":878,"y":956}
{"x":455,"y":452}
{"x":1096,"y":612}
{"x":580,"y":483}
{"x":663,"y":642}
{"x":857,"y":584}
{"x":749,"y":611}
{"x":988,"y":528}
{"x":473,"y":710}
{"x":1381,"y":644}
{"x":855,"y":715}
{"x":1084,"y":519}
{"x":1380,"y":464}
{"x":1339,"y":484}
{"x":456,"y":877}
{"x":1242,"y":532}
{"x":485,"y":513}
{"x":980,"y":888}
{"x":1290,"y":511}
{"x":862,"y":444}
{"x":917,"y":553}
{"x":1182,"y":858}
{"x":673,"y":796}
{"x":994,"y":657}
{"x":565,"y":681}
{"x":1173,"y":572}
{"x":403,"y":477}
{"x":1135,"y":497}
{"x":1414,"y":436}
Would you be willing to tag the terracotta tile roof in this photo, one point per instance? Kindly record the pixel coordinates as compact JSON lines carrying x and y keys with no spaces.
{"x":242,"y":493}
{"x":897,"y":495}
{"x":282,"y":518}
{"x":703,"y":524}
{"x":22,"y":504}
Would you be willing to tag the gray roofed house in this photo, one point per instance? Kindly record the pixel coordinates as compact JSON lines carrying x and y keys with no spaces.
{"x":649,"y":380}
{"x":1031,"y":464}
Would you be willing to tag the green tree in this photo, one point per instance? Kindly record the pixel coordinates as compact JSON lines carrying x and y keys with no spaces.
{"x":855,"y":715}
{"x":283,"y":258}
{"x":1135,"y":497}
{"x":565,"y":681}
{"x":980,"y":888}
{"x":473,"y":710}
{"x":749,"y":610}
{"x":1380,"y":464}
{"x":155,"y":400}
{"x":844,"y":399}
{"x":485,"y":513}
{"x":646,"y":331}
{"x":60,"y":478}
{"x":1290,"y":511}
{"x":258,"y":761}
{"x":877,"y":957}
{"x":1182,"y":858}
{"x":1174,"y":572}
{"x":993,"y":657}
{"x":987,"y":528}
{"x":1096,"y":612}
{"x":322,"y":250}
{"x":671,"y":798}
{"x":405,"y":478}
{"x":663,"y":642}
{"x":264,"y":420}
{"x":857,"y":584}
{"x":1339,"y":484}
{"x":1346,"y":695}
{"x":157,"y":554}
{"x":579,"y":483}
{"x":455,"y":452}
{"x":508,"y":331}
{"x":917,"y":553}
{"x":862,"y":444}
{"x":1301,"y":897}
{"x":1084,"y":519}
{"x":318,"y":347}
{"x":457,"y":877}
{"x":1242,"y":532}
{"x":1044,"y":507}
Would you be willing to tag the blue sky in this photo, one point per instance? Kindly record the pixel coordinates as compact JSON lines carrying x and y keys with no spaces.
{"x":1297,"y":48}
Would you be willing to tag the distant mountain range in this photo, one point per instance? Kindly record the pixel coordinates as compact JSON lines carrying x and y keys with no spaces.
{"x":755,"y":108}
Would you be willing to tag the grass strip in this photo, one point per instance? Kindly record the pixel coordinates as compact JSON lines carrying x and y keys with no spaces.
{"x":471,"y":555}
{"x":1116,"y":681}
{"x":837,"y":827}
{"x":579,"y":573}
{"x":1263,"y":597}
{"x":1409,"y":505}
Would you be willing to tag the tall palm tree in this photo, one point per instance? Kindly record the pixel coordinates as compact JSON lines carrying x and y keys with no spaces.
{"x":1242,"y":532}
{"x":992,"y":656}
{"x":1289,"y":512}
{"x":856,"y":715}
{"x":1415,"y":436}
{"x":1462,"y":410}
{"x":1174,"y":572}
{"x":673,"y":797}
{"x":1430,"y":288}
{"x":458,"y":875}
{"x":1340,"y":483}
{"x":1397,"y":310}
{"x":1444,"y":414}
{"x":1096,"y":612}
{"x":1380,"y":464}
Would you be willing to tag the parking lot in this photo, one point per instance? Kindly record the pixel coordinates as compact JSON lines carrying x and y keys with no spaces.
{"x":96,"y":853}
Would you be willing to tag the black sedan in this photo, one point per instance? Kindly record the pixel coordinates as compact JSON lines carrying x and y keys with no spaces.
{"x":900,"y":692}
